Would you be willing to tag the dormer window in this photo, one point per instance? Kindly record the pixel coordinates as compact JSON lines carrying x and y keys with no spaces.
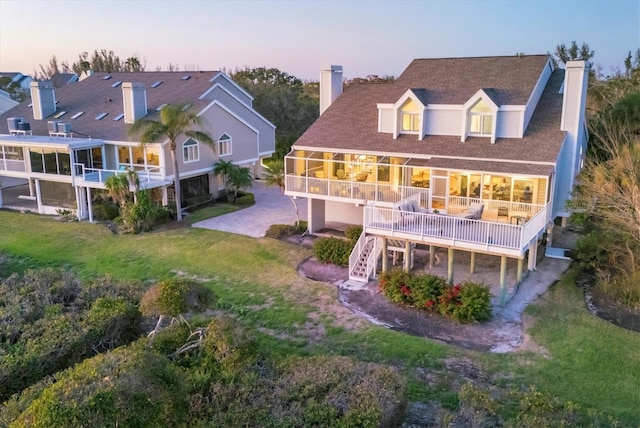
{"x":410,"y":117}
{"x":481,"y":119}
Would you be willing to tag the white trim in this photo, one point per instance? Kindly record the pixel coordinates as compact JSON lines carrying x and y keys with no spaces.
{"x":196,"y":150}
{"x":230,"y":80}
{"x":229,"y":140}
{"x":231,"y":112}
{"x":250,"y":108}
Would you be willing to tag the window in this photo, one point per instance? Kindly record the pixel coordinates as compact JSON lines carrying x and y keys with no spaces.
{"x":190,"y":151}
{"x":410,"y":117}
{"x":224,"y":145}
{"x":480,"y":119}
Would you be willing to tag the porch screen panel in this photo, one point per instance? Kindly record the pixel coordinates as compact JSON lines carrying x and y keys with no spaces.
{"x":194,"y":187}
{"x":37,"y":165}
{"x":57,"y":194}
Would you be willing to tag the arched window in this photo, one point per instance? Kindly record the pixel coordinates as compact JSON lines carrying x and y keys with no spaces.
{"x":190,"y":151}
{"x":224,"y":145}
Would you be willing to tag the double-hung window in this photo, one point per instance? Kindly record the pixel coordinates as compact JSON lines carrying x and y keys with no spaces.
{"x":190,"y":151}
{"x":480,"y":119}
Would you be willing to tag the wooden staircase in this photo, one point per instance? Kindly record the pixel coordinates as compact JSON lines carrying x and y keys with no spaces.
{"x":359,"y":271}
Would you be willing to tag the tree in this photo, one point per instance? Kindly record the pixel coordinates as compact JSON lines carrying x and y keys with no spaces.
{"x":14,"y":89}
{"x":274,"y":175}
{"x":175,"y":120}
{"x":236,"y":178}
{"x":572,"y":53}
{"x":283,"y":100}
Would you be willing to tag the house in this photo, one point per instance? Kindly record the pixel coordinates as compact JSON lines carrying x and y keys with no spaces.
{"x":67,"y":141}
{"x":469,"y":154}
{"x":6,"y":102}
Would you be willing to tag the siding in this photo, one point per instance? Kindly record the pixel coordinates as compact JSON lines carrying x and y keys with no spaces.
{"x":231,"y":87}
{"x":508,"y":124}
{"x":386,"y":120}
{"x":343,"y":212}
{"x":442,"y":122}
{"x":535,"y":95}
{"x":564,"y":178}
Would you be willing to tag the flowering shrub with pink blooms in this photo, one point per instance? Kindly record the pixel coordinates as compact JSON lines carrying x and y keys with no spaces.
{"x":466,"y":302}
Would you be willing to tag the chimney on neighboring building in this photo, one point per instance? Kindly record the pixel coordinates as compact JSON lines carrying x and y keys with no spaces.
{"x":134,"y":97}
{"x":330,"y":85}
{"x":43,"y":97}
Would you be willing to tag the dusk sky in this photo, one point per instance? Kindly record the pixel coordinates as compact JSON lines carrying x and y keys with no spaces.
{"x":365,"y":37}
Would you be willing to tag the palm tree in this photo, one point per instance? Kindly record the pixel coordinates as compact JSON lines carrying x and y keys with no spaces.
{"x":274,"y":176}
{"x":239,"y":179}
{"x":175,"y":120}
{"x":224,"y":168}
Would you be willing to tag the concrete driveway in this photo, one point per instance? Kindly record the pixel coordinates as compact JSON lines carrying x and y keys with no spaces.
{"x":271,"y":207}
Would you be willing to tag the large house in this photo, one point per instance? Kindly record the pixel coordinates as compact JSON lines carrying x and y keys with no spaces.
{"x":473,"y":154}
{"x":67,"y":141}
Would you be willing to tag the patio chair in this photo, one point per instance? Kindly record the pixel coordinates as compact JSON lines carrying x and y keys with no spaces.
{"x":503,"y":212}
{"x":473,"y":212}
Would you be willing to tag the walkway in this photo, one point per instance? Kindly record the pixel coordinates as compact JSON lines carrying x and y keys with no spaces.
{"x":272,"y":207}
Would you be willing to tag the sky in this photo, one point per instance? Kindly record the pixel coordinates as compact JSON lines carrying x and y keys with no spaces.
{"x":299,"y":37}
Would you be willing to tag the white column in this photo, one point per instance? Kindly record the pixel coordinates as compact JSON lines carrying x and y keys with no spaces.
{"x":0,"y":196}
{"x":315,"y":214}
{"x":38,"y":196}
{"x":89,"y":204}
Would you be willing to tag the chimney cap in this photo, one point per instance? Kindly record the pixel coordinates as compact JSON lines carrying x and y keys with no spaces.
{"x":332,"y":68}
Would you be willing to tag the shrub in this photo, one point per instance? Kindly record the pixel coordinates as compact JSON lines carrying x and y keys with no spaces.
{"x":333,"y":250}
{"x":279,"y":231}
{"x":105,"y":209}
{"x":246,"y":199}
{"x":465,"y":302}
{"x":130,"y":386}
{"x":353,"y":232}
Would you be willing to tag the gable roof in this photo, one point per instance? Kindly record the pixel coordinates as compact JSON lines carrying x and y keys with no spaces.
{"x":98,"y":94}
{"x":351,"y":122}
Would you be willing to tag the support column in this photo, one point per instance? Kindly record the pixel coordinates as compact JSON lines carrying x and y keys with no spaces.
{"x":503,"y":280}
{"x":385,"y":255}
{"x":533,"y":254}
{"x":407,"y":256}
{"x":32,"y":191}
{"x":315,"y":214}
{"x":450,"y":257}
{"x":550,"y":237}
{"x":564,"y":221}
{"x":519,"y":274}
{"x":38,"y":196}
{"x":165,"y":196}
{"x":432,"y":256}
{"x":472,"y":264}
{"x":0,"y":196}
{"x":89,"y":204}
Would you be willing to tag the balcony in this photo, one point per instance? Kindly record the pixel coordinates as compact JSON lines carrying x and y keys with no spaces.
{"x":492,"y":237}
{"x":150,"y":177}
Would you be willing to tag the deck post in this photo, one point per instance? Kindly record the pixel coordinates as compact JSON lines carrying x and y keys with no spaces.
{"x":407,"y":256}
{"x":519,"y":275}
{"x":503,"y":280}
{"x":432,"y":256}
{"x":89,"y":204}
{"x":450,"y":255}
{"x":385,"y":255}
{"x":38,"y":196}
{"x":0,"y":197}
{"x":533,"y":254}
{"x":472,"y":264}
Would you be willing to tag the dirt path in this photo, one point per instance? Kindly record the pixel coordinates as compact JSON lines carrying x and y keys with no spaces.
{"x":504,"y":333}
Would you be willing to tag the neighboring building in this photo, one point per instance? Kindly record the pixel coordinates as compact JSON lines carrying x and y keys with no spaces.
{"x":6,"y":103}
{"x":19,"y":79}
{"x":16,"y":88}
{"x":61,"y":79}
{"x":475,"y":154}
{"x":69,"y":140}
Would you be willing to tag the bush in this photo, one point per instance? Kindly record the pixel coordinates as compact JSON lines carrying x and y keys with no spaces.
{"x":466,"y":302}
{"x":130,"y":386}
{"x":333,"y":250}
{"x":246,"y":199}
{"x":105,"y":209}
{"x":279,"y":231}
{"x":353,"y":232}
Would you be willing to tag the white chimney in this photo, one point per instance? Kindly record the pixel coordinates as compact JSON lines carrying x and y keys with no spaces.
{"x":330,"y":85}
{"x":576,"y":79}
{"x":43,"y":97}
{"x":134,"y":97}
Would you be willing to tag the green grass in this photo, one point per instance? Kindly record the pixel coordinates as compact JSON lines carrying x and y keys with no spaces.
{"x":211,"y":211}
{"x":591,"y":362}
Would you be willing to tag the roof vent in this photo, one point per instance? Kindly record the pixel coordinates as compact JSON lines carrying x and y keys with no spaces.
{"x":161,"y":106}
{"x":59,"y":114}
{"x":52,"y":126}
{"x":118,"y":117}
{"x":64,"y":127}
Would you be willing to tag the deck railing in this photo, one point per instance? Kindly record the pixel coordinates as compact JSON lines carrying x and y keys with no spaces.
{"x":98,"y":175}
{"x":386,"y":194}
{"x":12,"y":165}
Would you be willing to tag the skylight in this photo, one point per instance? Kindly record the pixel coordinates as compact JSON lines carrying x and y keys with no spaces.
{"x":185,"y":77}
{"x":116,"y":84}
{"x":186,"y":107}
{"x":77,"y":115}
{"x":161,"y":106}
{"x":156,"y":84}
{"x":118,"y":117}
{"x":60,"y":114}
{"x":107,"y":77}
{"x":101,"y":115}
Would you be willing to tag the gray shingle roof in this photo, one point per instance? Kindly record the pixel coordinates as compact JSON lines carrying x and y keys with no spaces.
{"x":95,"y":95}
{"x":351,"y":122}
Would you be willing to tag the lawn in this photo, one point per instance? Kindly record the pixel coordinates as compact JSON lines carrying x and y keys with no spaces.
{"x":590,"y":362}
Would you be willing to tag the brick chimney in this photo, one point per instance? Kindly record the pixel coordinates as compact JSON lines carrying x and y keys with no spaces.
{"x":43,"y":97}
{"x":330,"y":85}
{"x":134,"y":97}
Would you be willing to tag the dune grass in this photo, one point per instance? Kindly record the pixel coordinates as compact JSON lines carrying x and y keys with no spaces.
{"x":590,"y":362}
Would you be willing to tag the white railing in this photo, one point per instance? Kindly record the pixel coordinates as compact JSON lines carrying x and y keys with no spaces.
{"x":98,"y":175}
{"x":372,"y":260}
{"x":454,"y":230}
{"x":357,"y":250}
{"x":12,"y":165}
